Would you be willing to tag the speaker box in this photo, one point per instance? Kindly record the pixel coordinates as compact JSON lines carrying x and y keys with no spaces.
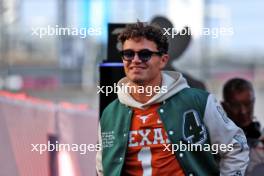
{"x":110,"y":73}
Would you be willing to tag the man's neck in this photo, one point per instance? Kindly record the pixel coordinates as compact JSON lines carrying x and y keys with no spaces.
{"x":148,"y":93}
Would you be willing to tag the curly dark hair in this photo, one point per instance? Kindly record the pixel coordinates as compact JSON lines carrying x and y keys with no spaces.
{"x":150,"y":32}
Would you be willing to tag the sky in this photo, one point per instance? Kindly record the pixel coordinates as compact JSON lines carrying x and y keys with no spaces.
{"x":245,"y":17}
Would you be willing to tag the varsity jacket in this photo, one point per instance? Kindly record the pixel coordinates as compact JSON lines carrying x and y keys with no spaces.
{"x":181,"y":108}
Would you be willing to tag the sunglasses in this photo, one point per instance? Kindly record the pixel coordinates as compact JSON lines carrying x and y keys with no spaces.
{"x":144,"y":55}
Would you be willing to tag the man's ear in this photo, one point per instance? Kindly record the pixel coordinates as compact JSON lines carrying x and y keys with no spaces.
{"x":164,"y":61}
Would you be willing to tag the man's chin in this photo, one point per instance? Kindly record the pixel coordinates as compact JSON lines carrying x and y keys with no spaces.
{"x":137,"y":81}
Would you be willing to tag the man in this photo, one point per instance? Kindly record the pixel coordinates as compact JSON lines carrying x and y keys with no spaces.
{"x":139,"y":132}
{"x":239,"y":99}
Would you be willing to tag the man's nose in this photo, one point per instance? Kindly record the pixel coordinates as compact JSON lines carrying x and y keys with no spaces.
{"x":244,"y":109}
{"x":136,"y":59}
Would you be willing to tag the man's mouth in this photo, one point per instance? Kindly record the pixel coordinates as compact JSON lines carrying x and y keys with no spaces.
{"x":137,"y":68}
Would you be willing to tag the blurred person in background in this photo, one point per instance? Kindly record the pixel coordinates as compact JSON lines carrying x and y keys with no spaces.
{"x":135,"y":128}
{"x":239,"y":99}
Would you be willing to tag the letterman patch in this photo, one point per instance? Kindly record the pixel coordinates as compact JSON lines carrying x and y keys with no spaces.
{"x":108,"y":139}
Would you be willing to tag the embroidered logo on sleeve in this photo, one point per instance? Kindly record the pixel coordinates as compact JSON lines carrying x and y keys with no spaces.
{"x":222,"y":113}
{"x":238,"y":173}
{"x":241,"y":141}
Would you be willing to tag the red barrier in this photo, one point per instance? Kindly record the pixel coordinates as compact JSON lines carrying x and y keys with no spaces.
{"x":26,"y":120}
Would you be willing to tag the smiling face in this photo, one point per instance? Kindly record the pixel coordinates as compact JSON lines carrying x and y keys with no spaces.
{"x":144,"y":73}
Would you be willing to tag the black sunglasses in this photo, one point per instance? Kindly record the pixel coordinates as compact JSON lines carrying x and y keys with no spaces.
{"x":144,"y":55}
